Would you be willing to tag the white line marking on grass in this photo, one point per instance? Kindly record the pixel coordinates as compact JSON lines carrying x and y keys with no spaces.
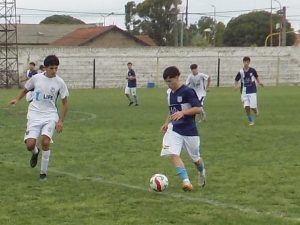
{"x":212,"y":202}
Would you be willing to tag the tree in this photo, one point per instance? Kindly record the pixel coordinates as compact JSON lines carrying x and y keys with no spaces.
{"x":252,"y":29}
{"x":61,"y":19}
{"x":156,"y":18}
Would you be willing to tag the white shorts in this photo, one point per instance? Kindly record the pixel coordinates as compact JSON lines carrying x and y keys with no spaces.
{"x":174,"y":142}
{"x":201,"y":99}
{"x":130,"y":91}
{"x":36,"y":128}
{"x":249,"y":100}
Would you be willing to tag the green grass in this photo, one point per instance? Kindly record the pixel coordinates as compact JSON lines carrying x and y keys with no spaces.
{"x":100,"y":167}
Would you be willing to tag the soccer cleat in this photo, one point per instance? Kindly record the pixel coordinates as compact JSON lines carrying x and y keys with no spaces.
{"x":34,"y":159}
{"x":130,"y":103}
{"x":187,"y":186}
{"x":202,"y":178}
{"x":251,"y":123}
{"x":136,"y":104}
{"x":43,"y":177}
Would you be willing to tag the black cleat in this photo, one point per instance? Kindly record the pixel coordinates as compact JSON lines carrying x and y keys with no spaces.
{"x":136,"y":104}
{"x":130,"y":103}
{"x":34,"y":159}
{"x":43,"y":177}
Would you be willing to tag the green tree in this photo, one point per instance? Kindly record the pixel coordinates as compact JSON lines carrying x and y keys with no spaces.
{"x":156,"y":18}
{"x":61,"y":19}
{"x":252,"y":29}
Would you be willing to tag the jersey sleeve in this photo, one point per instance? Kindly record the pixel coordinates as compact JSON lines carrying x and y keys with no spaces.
{"x":63,"y":91}
{"x":30,"y":84}
{"x":131,"y":73}
{"x":193,"y":98}
{"x":204,"y":76}
{"x":255,"y":73}
{"x":188,"y":80}
{"x":238,"y":76}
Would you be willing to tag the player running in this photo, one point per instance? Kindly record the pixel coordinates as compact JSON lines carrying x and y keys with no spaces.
{"x":42,"y":116}
{"x":130,"y":90}
{"x":248,"y":78}
{"x":180,"y":127}
{"x":200,"y":82}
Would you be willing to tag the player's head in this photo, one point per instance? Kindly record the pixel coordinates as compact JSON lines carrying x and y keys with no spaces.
{"x":51,"y":64}
{"x":129,"y":65}
{"x":246,"y":61}
{"x":194,"y":69}
{"x":42,"y":68}
{"x":171,"y":76}
{"x":31,"y":65}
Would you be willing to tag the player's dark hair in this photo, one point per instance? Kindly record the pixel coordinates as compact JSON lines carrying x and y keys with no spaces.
{"x":41,"y":67}
{"x":32,"y":63}
{"x":193,"y":66}
{"x":51,"y":60}
{"x":171,"y":72}
{"x":129,"y":63}
{"x":246,"y":58}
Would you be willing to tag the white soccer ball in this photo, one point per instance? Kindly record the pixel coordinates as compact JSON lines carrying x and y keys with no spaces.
{"x":159,"y":182}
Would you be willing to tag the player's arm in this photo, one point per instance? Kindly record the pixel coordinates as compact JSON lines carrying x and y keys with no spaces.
{"x":237,"y":80}
{"x":187,"y":112}
{"x":19,"y":97}
{"x":164,"y":127}
{"x":208,"y":83}
{"x":60,"y":123}
{"x":258,"y":80}
{"x":187,"y":82}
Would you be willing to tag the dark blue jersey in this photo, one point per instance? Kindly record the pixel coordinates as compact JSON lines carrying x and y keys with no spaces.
{"x":131,"y":83}
{"x":248,"y":78}
{"x":181,"y":99}
{"x":31,"y":73}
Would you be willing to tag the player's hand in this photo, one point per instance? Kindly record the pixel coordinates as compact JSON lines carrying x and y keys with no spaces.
{"x":177,"y":116}
{"x":164,"y":128}
{"x":59,"y":126}
{"x":13,"y":102}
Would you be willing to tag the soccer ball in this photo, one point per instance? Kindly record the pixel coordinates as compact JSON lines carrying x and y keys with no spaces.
{"x":159,"y":182}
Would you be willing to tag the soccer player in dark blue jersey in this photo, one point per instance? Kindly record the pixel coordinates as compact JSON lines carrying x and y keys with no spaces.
{"x":180,"y":127}
{"x":130,"y":90}
{"x":248,"y":78}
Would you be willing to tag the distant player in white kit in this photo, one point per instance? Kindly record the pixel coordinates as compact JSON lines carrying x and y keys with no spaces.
{"x":248,"y":78}
{"x":42,"y":117}
{"x":200,"y":82}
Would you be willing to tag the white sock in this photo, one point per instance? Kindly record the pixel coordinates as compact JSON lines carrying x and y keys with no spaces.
{"x":35,"y":150}
{"x":45,"y":161}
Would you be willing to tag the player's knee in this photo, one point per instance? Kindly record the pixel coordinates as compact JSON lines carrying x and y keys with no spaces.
{"x":46,"y":142}
{"x":30,"y":145}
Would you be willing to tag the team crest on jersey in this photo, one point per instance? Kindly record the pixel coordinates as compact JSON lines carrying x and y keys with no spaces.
{"x":52,"y":90}
{"x":27,"y":132}
{"x":179,"y":98}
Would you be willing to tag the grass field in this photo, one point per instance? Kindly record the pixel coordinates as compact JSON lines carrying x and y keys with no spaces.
{"x":101,"y":164}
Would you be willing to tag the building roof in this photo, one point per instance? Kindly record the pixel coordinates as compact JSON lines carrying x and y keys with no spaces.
{"x":43,"y":34}
{"x":82,"y":36}
{"x":146,"y":39}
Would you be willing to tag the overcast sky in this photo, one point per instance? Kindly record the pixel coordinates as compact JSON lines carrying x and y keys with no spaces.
{"x":117,"y":6}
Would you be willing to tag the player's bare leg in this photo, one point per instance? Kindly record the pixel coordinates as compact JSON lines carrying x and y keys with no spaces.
{"x":45,"y":156}
{"x":181,"y":172}
{"x":250,"y":117}
{"x":31,"y":146}
{"x":202,"y":172}
{"x":129,"y":99}
{"x":255,"y":110}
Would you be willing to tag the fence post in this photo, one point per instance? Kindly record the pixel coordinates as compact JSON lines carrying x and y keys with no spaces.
{"x":218,"y":76}
{"x":94,"y":73}
{"x":278,"y":71}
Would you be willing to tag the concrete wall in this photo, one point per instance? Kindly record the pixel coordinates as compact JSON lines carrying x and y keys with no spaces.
{"x":275,"y":65}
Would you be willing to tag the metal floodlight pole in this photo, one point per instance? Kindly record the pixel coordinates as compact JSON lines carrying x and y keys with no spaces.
{"x":280,"y":29}
{"x":214,"y":31}
{"x":107,"y":15}
{"x":9,"y":74}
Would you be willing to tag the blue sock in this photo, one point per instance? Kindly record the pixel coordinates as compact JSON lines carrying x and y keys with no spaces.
{"x":182,"y":173}
{"x":250,"y":118}
{"x":200,"y":167}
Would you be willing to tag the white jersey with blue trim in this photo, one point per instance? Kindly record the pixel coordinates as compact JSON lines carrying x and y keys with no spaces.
{"x":182,"y":99}
{"x":198,"y":83}
{"x":45,"y":94}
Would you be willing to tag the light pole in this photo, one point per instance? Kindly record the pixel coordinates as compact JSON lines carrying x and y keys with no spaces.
{"x":214,"y":28}
{"x":280,"y":27}
{"x":107,"y":15}
{"x":271,"y":24}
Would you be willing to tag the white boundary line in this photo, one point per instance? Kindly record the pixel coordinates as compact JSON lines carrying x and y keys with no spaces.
{"x":212,"y":202}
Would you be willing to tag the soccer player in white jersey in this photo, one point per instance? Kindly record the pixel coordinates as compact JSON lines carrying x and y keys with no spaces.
{"x":42,"y":116}
{"x":200,"y":82}
{"x":248,"y":77}
{"x":180,"y":127}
